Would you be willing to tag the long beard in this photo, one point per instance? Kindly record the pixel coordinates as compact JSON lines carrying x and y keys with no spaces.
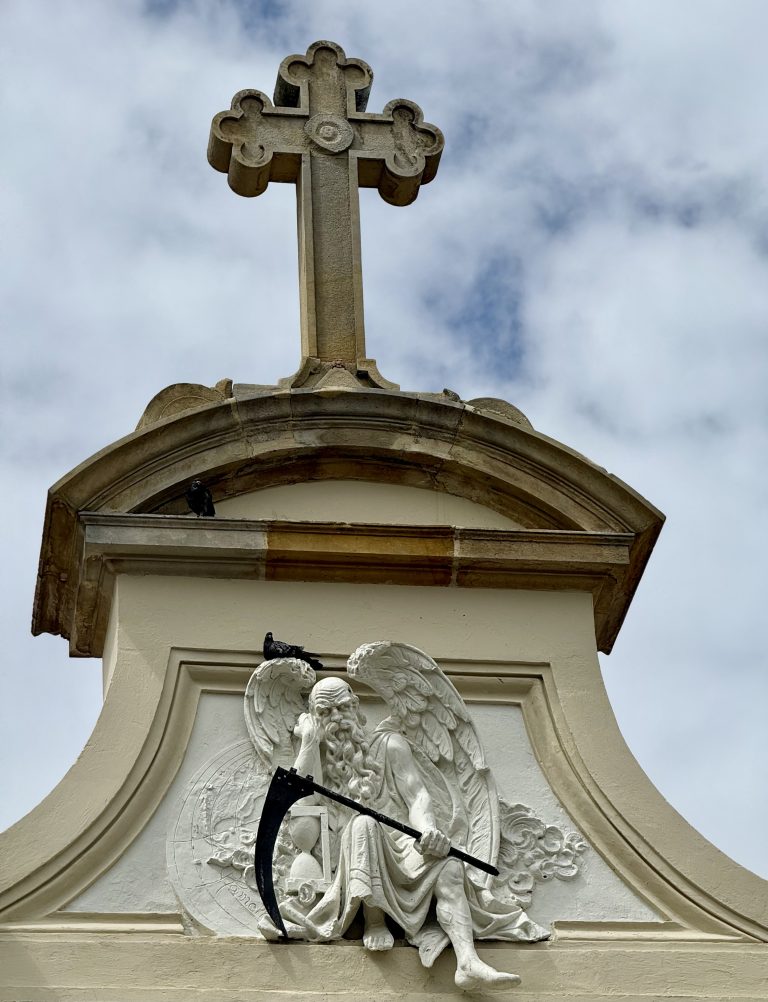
{"x":348,"y":766}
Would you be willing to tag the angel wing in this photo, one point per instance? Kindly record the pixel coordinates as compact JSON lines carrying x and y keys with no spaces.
{"x":426,"y":708}
{"x":274,"y":698}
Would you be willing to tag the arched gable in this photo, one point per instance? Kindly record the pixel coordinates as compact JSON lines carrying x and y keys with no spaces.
{"x":271,"y":438}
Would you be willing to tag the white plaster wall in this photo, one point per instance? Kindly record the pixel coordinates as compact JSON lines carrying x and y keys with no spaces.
{"x":597,"y":893}
{"x":361,"y":501}
{"x":139,"y":882}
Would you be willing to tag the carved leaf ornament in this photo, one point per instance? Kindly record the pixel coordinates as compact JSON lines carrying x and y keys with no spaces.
{"x":531,"y":851}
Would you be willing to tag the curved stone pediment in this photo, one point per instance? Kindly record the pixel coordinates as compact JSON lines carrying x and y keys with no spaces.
{"x":245,"y":444}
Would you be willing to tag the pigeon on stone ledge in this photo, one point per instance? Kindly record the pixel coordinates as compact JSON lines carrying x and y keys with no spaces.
{"x":277,"y":649}
{"x":199,"y":499}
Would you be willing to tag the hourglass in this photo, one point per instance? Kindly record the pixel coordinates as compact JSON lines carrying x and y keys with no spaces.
{"x":307,"y":826}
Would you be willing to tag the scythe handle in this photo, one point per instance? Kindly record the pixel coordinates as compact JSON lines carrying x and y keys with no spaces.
{"x":392,"y":823}
{"x":286,"y":788}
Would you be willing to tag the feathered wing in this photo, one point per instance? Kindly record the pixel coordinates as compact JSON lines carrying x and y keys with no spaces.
{"x":426,"y":708}
{"x":274,"y":698}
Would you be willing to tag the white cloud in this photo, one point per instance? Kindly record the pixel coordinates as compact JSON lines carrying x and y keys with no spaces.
{"x":593,"y":249}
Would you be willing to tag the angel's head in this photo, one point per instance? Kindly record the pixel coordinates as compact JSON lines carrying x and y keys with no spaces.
{"x":331,"y":692}
{"x":348,"y":766}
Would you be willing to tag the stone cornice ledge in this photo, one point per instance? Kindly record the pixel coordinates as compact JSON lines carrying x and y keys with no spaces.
{"x":436,"y":556}
{"x":268,"y":439}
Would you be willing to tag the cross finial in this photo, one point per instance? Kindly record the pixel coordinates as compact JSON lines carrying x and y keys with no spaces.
{"x":319,"y":136}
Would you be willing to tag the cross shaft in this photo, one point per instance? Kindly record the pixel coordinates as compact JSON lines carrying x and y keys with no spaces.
{"x":318,"y":136}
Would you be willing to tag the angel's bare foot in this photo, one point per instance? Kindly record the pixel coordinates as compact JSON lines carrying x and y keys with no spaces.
{"x":268,"y":930}
{"x":475,"y":975}
{"x":376,"y":935}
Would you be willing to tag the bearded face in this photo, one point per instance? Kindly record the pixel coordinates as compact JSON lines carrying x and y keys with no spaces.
{"x":347,"y":764}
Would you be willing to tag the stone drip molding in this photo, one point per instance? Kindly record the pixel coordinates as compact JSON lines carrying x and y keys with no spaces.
{"x":242,"y":444}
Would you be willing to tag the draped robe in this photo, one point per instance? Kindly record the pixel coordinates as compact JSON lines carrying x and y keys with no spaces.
{"x":381,"y":867}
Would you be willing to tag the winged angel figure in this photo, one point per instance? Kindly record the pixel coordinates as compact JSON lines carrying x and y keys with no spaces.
{"x":423,"y":765}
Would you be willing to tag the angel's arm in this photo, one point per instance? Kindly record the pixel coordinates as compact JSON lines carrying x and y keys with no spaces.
{"x":308,"y":761}
{"x":414,"y":792}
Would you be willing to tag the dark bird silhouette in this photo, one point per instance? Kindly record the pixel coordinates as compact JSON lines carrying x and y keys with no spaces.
{"x":199,"y":499}
{"x":277,"y":649}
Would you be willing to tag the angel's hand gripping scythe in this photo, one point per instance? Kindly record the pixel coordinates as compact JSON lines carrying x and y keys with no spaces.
{"x":286,"y":788}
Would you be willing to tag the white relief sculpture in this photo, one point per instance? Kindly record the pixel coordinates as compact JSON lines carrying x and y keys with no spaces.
{"x":423,"y":765}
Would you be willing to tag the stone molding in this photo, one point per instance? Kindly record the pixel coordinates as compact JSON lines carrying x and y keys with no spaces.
{"x":242,"y":444}
{"x":127,"y":966}
{"x":55,"y":852}
{"x":272,"y":550}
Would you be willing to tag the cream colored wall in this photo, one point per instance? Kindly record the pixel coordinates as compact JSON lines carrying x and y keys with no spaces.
{"x":121,"y":966}
{"x":157,"y":613}
{"x":361,"y":501}
{"x":143,"y":732}
{"x":160,"y":613}
{"x":556,"y":629}
{"x":109,"y":657}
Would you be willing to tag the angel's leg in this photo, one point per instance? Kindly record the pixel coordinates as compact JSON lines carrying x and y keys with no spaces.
{"x":376,"y":935}
{"x":454,"y":916}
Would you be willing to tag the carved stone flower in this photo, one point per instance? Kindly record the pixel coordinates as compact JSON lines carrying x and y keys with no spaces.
{"x":531,"y":851}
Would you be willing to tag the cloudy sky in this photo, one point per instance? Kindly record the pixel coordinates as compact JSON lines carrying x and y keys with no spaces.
{"x":594,"y":249}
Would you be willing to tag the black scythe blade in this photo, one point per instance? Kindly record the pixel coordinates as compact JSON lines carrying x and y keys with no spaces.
{"x":285,"y":789}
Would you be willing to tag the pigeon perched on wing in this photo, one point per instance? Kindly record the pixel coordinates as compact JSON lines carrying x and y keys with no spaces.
{"x":199,"y":499}
{"x":277,"y":649}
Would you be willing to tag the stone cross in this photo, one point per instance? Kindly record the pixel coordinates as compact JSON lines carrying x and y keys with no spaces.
{"x":319,"y":136}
